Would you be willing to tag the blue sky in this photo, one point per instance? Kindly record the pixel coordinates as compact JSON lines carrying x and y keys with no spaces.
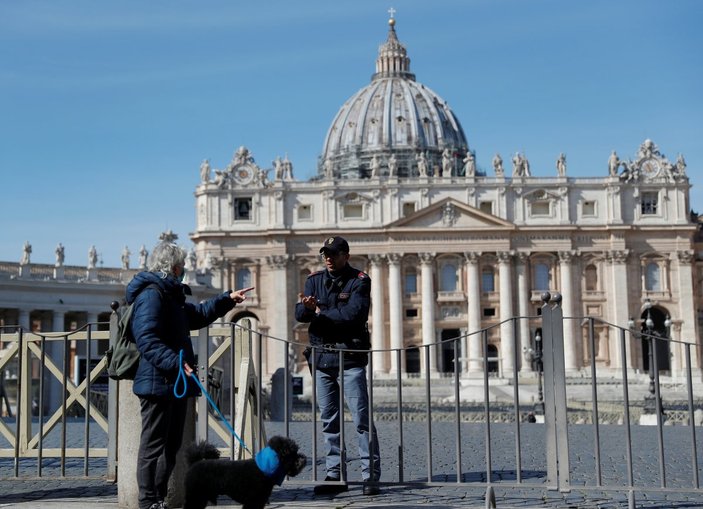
{"x":108,"y":108}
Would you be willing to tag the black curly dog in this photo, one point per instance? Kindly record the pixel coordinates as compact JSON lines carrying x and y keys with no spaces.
{"x":243,"y":481}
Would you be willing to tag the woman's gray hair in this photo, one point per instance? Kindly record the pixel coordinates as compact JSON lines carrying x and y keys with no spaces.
{"x":165,"y":256}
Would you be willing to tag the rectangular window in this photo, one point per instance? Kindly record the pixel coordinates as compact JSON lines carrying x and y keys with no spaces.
{"x":353,"y":211}
{"x":489,"y":311}
{"x":649,"y":203}
{"x":304,"y":212}
{"x":486,"y":206}
{"x":487,"y":281}
{"x":242,"y":209}
{"x":540,"y":208}
{"x":408,"y":208}
{"x":411,"y":313}
{"x":588,"y":208}
{"x":410,"y":283}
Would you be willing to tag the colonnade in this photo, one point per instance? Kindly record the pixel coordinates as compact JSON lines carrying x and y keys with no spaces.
{"x":508,"y":269}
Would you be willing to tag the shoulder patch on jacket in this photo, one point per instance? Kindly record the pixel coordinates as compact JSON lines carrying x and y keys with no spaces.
{"x":362,"y":275}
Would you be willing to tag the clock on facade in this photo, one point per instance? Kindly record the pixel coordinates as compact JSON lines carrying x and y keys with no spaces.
{"x":650,"y":168}
{"x":243,"y":174}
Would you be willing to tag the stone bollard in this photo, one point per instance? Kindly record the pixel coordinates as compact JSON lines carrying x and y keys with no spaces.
{"x":278,"y":396}
{"x":129,"y":431}
{"x":129,"y":428}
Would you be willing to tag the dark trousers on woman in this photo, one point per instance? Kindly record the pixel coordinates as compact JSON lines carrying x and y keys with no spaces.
{"x":163,"y":420}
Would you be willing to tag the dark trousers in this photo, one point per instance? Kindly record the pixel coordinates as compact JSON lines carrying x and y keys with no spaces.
{"x":163,"y":420}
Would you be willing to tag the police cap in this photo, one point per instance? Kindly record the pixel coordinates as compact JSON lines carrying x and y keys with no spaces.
{"x":335,"y":245}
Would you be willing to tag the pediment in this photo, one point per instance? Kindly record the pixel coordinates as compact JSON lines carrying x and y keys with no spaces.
{"x":352,"y":197}
{"x":450,"y":213}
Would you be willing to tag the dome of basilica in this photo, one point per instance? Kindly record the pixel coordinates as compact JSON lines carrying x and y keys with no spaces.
{"x":394,"y":126}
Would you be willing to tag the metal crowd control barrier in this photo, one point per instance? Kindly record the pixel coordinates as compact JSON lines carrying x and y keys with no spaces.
{"x":238,"y":351}
{"x":49,"y":403}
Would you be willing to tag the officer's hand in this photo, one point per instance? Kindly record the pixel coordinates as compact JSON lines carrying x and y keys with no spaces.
{"x":240,"y":295}
{"x":310,"y":302}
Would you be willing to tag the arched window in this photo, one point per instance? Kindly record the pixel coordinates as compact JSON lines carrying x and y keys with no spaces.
{"x":448,"y":278}
{"x":541,"y":276}
{"x":591,"y":276}
{"x":242,"y":278}
{"x":488,"y":283}
{"x":652,"y":277}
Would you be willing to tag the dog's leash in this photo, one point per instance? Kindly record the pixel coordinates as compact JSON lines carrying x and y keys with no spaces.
{"x":181,"y":379}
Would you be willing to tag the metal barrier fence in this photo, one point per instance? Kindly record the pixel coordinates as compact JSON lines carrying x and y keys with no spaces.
{"x":417,"y":431}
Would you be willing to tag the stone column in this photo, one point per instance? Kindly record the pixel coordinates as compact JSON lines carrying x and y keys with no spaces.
{"x":23,"y":319}
{"x":428,"y":309}
{"x":54,"y":351}
{"x":395,"y":296}
{"x":571,"y":362}
{"x":473,"y":313}
{"x":687,"y":309}
{"x":507,"y":333}
{"x":274,"y":356}
{"x":523,"y":303}
{"x":378,"y":305}
{"x":618,"y":305}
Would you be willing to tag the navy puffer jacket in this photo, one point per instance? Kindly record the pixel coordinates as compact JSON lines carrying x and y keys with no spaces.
{"x":344,"y":303}
{"x":161,"y":324}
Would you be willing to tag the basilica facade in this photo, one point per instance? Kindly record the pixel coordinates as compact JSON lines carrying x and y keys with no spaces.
{"x":450,"y":248}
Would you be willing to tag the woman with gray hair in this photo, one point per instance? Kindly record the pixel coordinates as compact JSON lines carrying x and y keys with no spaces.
{"x":161,"y":324}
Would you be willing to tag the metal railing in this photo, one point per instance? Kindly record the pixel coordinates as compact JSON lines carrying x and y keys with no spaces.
{"x":447,"y":429}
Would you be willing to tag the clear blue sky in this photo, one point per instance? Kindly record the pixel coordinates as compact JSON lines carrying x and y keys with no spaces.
{"x":108,"y":108}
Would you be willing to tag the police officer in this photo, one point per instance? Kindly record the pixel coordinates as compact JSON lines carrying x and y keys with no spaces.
{"x":336,"y":304}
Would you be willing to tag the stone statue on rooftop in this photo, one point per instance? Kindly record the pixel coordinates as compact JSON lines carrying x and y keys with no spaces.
{"x":287,"y":169}
{"x":143,"y":254}
{"x":521,"y":167}
{"x":447,"y":163}
{"x":125,"y":258}
{"x":59,"y":251}
{"x":278,"y":168}
{"x":242,"y":156}
{"x":375,"y":166}
{"x":561,"y":165}
{"x":613,"y":164}
{"x":498,"y":165}
{"x":469,"y":164}
{"x":681,"y":165}
{"x":205,"y":171}
{"x":392,"y":165}
{"x":26,"y":253}
{"x":421,"y":164}
{"x":92,"y":257}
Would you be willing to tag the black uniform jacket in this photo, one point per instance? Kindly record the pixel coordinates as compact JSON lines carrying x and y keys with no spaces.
{"x":344,"y":303}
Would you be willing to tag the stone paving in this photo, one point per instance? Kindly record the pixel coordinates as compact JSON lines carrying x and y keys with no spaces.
{"x":443,"y":492}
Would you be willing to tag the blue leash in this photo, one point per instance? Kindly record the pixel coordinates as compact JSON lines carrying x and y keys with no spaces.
{"x":179,"y":395}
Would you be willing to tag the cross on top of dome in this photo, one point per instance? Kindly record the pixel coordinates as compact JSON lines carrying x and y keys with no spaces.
{"x":392,"y":58}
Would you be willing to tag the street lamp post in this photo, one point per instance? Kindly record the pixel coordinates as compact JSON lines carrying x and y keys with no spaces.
{"x":535,"y":355}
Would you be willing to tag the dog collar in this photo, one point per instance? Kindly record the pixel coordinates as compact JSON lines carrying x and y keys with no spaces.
{"x":269,"y":464}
